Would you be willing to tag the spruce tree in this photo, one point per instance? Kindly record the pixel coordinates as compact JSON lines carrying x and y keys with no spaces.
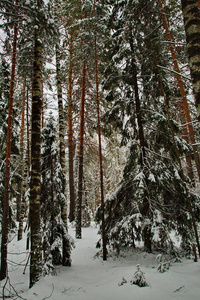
{"x":55,"y":236}
{"x":151,"y":194}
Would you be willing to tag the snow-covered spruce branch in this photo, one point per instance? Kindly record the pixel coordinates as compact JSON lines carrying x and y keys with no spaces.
{"x":174,"y":72}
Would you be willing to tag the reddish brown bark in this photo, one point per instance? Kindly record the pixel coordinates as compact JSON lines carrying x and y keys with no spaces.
{"x":5,"y":221}
{"x":185,"y":111}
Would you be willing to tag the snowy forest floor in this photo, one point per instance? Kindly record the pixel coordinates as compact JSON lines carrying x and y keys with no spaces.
{"x":91,"y":278}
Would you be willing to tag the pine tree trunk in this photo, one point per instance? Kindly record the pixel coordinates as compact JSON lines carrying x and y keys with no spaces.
{"x":61,"y":130}
{"x":5,"y":220}
{"x":21,"y":171}
{"x":100,"y":148}
{"x":191,"y":16}
{"x":80,"y":174}
{"x":70,"y":135}
{"x":35,"y":183}
{"x":184,"y":104}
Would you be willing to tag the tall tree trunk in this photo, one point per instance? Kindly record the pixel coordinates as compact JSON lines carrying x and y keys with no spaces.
{"x":193,"y":223}
{"x":145,"y":208}
{"x":100,"y":147}
{"x":21,"y":171}
{"x":80,"y":174}
{"x":191,"y":16}
{"x":61,"y":131}
{"x":184,"y":104}
{"x":5,"y":221}
{"x":35,"y":183}
{"x":70,"y":134}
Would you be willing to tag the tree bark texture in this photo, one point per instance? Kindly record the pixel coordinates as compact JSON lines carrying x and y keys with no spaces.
{"x":70,"y":134}
{"x":100,"y":147}
{"x":184,"y":103}
{"x":35,"y":183}
{"x":21,"y":171}
{"x":191,"y":16}
{"x":81,"y":143}
{"x":61,"y":130}
{"x":5,"y":220}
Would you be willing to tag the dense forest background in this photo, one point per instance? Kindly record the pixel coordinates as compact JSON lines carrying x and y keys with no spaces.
{"x":98,"y":121}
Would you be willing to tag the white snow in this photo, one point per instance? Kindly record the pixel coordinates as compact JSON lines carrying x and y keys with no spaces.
{"x":91,"y":278}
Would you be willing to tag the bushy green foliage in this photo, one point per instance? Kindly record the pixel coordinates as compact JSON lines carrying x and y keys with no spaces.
{"x":53,"y":183}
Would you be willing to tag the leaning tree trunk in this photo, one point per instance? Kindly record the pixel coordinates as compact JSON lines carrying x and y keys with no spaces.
{"x":5,"y":220}
{"x":80,"y":174}
{"x":35,"y":183}
{"x":70,"y":134}
{"x":191,"y":16}
{"x":184,"y":103}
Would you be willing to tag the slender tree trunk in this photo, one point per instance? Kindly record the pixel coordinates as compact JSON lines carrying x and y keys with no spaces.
{"x":21,"y":171}
{"x":184,"y":104}
{"x":35,"y":183}
{"x":80,"y":174}
{"x":28,"y":163}
{"x":191,"y":16}
{"x":5,"y":221}
{"x":145,"y":208}
{"x":100,"y":147}
{"x":70,"y":134}
{"x":61,"y":130}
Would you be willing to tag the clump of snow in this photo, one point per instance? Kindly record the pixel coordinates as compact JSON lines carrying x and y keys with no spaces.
{"x":139,"y":278}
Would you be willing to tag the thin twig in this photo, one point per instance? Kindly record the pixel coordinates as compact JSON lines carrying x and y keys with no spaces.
{"x":47,"y":297}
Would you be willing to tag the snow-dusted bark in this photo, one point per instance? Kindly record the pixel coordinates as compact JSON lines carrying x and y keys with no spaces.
{"x":191,"y":16}
{"x":35,"y":183}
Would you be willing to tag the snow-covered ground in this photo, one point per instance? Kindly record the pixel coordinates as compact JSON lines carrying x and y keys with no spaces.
{"x":91,"y":278}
